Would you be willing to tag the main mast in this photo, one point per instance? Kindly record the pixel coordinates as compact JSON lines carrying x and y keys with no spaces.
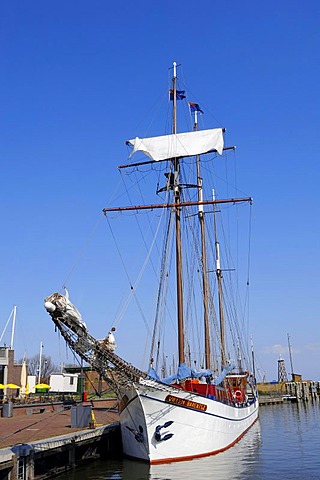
{"x":176,"y":192}
{"x":205,"y":286}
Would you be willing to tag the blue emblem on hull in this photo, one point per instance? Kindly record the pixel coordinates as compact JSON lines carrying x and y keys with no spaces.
{"x":138,"y":435}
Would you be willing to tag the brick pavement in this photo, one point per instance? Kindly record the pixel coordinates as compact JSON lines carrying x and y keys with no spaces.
{"x":54,"y":421}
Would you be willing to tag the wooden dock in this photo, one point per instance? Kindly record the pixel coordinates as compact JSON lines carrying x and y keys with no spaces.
{"x":270,"y":400}
{"x":280,"y":392}
{"x":38,"y":443}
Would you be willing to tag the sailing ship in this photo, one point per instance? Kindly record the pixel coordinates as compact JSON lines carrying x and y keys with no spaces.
{"x":203,"y":406}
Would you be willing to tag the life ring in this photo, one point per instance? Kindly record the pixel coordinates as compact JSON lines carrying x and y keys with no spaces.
{"x":238,"y":394}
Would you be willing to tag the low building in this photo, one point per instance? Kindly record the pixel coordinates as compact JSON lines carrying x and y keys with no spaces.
{"x":64,"y":382}
{"x":31,"y":382}
{"x":10,"y":372}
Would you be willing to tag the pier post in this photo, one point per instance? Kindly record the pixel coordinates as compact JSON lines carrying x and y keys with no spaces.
{"x":14,"y":471}
{"x":23,"y":462}
{"x":29,"y":466}
{"x":72,"y":453}
{"x":305,"y":391}
{"x":313,"y":390}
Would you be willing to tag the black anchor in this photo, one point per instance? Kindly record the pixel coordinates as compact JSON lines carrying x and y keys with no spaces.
{"x":157,"y":433}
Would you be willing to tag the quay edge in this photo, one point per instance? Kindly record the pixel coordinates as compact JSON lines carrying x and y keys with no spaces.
{"x":51,"y":456}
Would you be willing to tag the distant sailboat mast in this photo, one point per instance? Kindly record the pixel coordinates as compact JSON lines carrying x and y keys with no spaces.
{"x":12,"y":315}
{"x":13,"y":326}
{"x":290,"y":355}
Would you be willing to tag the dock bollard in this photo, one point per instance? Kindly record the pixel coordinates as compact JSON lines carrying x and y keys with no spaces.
{"x":7,"y":410}
{"x":80,"y":416}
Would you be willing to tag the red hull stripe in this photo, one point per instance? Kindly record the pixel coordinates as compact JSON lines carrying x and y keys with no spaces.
{"x":182,"y":459}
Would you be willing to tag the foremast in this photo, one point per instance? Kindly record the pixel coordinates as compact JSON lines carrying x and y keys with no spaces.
{"x":176,"y":191}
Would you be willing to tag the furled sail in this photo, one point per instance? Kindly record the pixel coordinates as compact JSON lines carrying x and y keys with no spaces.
{"x":179,"y":144}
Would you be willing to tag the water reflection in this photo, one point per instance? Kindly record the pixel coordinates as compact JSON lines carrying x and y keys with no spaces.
{"x":284,"y":443}
{"x":230,"y":464}
{"x":291,"y":441}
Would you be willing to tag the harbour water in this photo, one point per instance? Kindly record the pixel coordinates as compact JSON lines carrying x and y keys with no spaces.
{"x":283,"y":444}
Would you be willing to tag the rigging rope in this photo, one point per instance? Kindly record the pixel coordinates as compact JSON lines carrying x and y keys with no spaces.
{"x":81,"y":252}
{"x":133,"y":288}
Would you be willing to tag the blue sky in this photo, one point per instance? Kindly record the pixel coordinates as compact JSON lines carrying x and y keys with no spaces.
{"x":76,"y":80}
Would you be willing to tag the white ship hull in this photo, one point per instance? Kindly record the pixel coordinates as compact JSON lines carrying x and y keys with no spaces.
{"x":198,"y":426}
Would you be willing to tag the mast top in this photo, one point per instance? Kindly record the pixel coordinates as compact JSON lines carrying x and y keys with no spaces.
{"x":174,"y":69}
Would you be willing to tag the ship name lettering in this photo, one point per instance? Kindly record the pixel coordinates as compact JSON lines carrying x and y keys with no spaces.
{"x":186,"y":403}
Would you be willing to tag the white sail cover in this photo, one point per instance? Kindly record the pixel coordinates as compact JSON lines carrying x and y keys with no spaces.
{"x":180,"y":144}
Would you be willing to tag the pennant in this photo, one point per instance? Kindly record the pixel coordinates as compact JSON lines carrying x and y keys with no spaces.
{"x":179,"y":93}
{"x":194,"y":107}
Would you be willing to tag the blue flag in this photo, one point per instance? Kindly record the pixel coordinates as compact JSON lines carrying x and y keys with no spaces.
{"x":194,"y":107}
{"x":179,"y":93}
